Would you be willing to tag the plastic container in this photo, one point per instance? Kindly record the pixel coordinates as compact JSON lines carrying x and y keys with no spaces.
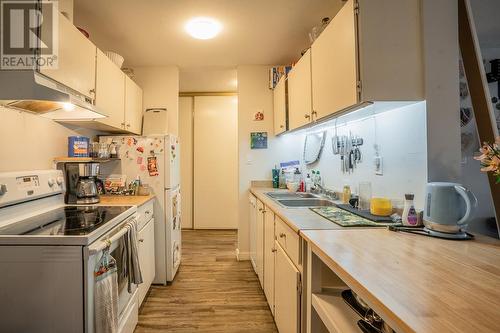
{"x":380,"y":207}
{"x":78,"y":146}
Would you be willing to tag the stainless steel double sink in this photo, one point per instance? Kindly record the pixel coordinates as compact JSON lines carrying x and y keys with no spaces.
{"x":299,"y":200}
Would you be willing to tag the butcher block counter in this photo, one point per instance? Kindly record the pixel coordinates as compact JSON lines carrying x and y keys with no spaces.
{"x":417,"y":283}
{"x":125,"y":200}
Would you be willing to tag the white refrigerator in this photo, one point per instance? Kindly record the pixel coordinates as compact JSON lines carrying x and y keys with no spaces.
{"x":155,"y":160}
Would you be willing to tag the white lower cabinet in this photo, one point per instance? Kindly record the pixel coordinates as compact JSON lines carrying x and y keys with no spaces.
{"x":146,"y":249}
{"x":286,"y":293}
{"x":269,"y":250}
{"x":252,"y":207}
{"x":261,"y":212}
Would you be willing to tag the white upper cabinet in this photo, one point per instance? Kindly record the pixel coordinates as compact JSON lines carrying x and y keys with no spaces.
{"x":334,"y":65}
{"x":299,"y":93}
{"x":110,"y":91}
{"x":390,"y":50}
{"x":76,"y":60}
{"x":280,"y":106}
{"x":371,"y":51}
{"x":133,"y":106}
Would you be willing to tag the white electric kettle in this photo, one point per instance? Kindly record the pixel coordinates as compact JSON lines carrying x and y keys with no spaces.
{"x":448,"y":207}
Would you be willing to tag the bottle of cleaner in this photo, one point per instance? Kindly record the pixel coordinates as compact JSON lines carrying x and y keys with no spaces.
{"x":410,"y":216}
{"x":308,"y":183}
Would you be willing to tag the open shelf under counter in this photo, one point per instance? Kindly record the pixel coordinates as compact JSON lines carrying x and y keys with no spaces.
{"x":65,"y":159}
{"x":335,"y":313}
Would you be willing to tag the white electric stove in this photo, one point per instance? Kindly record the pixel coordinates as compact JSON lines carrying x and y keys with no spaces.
{"x":48,"y":253}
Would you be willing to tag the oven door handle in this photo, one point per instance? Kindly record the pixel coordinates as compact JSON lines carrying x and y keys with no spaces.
{"x":101,"y":244}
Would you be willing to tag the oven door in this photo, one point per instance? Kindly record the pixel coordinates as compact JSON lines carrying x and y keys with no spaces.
{"x":125,"y":299}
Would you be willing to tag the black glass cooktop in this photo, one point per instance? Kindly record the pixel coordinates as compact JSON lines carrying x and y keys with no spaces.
{"x":67,"y":220}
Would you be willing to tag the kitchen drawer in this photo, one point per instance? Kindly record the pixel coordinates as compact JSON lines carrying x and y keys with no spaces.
{"x":145,"y":213}
{"x":289,"y":240}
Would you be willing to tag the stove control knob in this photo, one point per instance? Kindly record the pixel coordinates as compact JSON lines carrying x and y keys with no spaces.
{"x":51,"y":182}
{"x":60,"y":180}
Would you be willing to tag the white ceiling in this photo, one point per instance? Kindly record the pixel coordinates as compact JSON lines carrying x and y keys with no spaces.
{"x":151,"y":32}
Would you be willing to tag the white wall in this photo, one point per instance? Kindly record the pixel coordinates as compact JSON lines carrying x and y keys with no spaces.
{"x":30,"y":142}
{"x":400,"y":134}
{"x":253,"y":95}
{"x":186,"y":144}
{"x":160,"y":86}
{"x":441,"y":52}
{"x":210,"y":79}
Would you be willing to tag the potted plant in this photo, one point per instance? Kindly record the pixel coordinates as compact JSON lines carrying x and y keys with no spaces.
{"x":490,"y":158}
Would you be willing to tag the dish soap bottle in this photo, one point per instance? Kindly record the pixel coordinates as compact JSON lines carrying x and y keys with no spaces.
{"x":410,"y":216}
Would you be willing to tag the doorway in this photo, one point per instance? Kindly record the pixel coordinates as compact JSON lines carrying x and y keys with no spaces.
{"x":209,"y":174}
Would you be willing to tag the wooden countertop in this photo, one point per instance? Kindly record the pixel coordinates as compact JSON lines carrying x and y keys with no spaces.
{"x":296,"y":218}
{"x":417,"y":283}
{"x":125,"y":200}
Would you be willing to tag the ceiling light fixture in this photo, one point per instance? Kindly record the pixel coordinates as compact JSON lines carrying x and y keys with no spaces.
{"x":203,"y":27}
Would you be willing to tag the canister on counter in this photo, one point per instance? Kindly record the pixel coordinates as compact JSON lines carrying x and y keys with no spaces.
{"x":78,"y":146}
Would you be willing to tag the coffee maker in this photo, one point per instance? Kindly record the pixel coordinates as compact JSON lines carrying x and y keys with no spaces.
{"x":81,"y":183}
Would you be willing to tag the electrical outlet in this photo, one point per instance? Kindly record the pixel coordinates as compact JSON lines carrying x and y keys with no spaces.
{"x":378,"y":165}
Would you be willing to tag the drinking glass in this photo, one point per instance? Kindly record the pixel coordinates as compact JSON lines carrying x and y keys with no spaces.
{"x":365,"y":195}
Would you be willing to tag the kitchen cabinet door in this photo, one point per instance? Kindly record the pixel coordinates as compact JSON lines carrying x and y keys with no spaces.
{"x":76,"y":60}
{"x":146,"y":253}
{"x":133,"y":106}
{"x":269,"y":251}
{"x":334,"y":65}
{"x":299,"y":93}
{"x":280,"y":106}
{"x":252,"y":208}
{"x":261,"y":212}
{"x":110,"y":91}
{"x":286,"y":293}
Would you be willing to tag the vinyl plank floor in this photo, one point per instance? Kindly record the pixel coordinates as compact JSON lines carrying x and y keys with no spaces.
{"x":212,"y":291}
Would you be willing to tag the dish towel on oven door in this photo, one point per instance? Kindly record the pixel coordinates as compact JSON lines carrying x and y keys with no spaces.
{"x":131,"y":255}
{"x":106,"y":295}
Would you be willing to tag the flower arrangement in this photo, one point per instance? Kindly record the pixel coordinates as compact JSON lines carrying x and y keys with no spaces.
{"x":490,"y":158}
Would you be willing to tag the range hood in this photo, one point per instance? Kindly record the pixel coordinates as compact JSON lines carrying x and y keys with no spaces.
{"x":30,"y":91}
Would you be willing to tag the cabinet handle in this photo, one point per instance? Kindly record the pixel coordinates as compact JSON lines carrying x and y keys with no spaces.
{"x":147,"y":212}
{"x":307,"y":116}
{"x":274,"y":250}
{"x":92,"y":91}
{"x":263,"y":211}
{"x":282,"y":126}
{"x":260,"y":209}
{"x":314,"y":114}
{"x":282,"y":235}
{"x":123,"y":124}
{"x":141,"y":240}
{"x":128,"y":125}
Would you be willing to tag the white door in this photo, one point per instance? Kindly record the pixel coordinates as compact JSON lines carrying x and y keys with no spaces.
{"x":215,"y":162}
